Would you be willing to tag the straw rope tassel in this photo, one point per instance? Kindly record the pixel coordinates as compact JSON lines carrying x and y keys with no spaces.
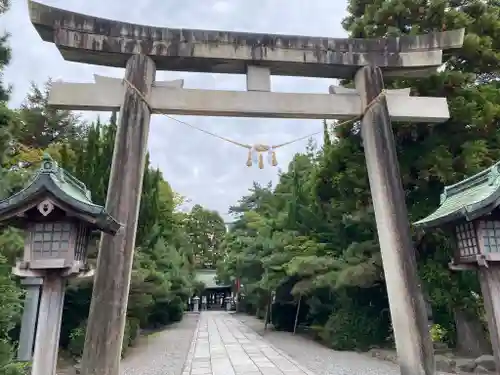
{"x":261,"y":161}
{"x":274,"y":160}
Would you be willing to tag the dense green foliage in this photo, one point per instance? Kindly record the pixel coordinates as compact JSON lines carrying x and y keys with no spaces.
{"x":10,"y":294}
{"x":163,"y":270}
{"x":206,"y":230}
{"x":161,"y":278}
{"x":167,"y":244}
{"x":314,"y":237}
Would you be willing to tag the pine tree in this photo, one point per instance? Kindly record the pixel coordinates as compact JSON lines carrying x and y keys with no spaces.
{"x":43,"y":125}
{"x":5,"y":113}
{"x":10,"y":241}
{"x":5,"y":55}
{"x":432,"y":156}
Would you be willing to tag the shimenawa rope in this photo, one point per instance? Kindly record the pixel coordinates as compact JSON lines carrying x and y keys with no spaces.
{"x":254,"y":151}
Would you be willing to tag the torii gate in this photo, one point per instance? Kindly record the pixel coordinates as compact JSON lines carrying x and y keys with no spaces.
{"x":143,"y":49}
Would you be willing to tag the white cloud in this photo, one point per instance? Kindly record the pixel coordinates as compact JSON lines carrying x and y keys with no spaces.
{"x":222,"y":176}
{"x":196,"y":172}
{"x":222,"y":7}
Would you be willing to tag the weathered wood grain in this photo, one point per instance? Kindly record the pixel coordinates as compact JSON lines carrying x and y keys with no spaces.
{"x":29,"y":319}
{"x":93,"y":40}
{"x":108,"y":308}
{"x":104,"y":95}
{"x":408,"y":312}
{"x":489,"y":277}
{"x":49,"y":325}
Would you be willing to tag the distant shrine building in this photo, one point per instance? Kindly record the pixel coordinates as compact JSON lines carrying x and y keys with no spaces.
{"x":214,"y":293}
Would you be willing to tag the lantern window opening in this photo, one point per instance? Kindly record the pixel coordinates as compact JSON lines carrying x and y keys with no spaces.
{"x":466,"y":239}
{"x":491,"y":236}
{"x":81,"y":242}
{"x":50,"y":240}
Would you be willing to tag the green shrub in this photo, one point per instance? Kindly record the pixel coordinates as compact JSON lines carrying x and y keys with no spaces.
{"x":8,"y":365}
{"x":247,"y":307}
{"x":77,"y":340}
{"x":76,"y":308}
{"x":135,"y":330}
{"x":283,"y":315}
{"x":176,"y":310}
{"x":349,"y":329}
{"x":15,"y":368}
{"x":438,"y":333}
{"x":160,"y":315}
{"x":126,"y":337}
{"x":77,"y":337}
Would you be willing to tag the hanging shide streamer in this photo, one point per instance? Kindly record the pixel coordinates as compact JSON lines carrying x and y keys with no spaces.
{"x":254,"y":151}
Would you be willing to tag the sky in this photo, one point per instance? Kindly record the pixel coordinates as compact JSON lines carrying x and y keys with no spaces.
{"x":205,"y":170}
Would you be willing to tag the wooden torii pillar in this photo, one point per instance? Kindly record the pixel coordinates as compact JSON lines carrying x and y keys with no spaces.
{"x":143,"y":48}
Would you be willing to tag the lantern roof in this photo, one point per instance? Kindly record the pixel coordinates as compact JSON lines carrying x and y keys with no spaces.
{"x":66,"y":192}
{"x":468,"y":199}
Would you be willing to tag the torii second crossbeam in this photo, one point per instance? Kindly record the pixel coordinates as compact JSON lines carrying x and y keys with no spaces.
{"x":106,"y":94}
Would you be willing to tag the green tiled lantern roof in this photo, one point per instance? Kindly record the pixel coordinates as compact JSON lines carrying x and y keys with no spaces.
{"x":54,"y":181}
{"x":468,"y":199}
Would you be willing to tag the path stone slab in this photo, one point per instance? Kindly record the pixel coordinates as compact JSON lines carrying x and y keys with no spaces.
{"x":222,"y":345}
{"x":164,"y":352}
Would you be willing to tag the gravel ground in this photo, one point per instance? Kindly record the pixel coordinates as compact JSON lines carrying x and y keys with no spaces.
{"x":162,"y":353}
{"x":318,"y":358}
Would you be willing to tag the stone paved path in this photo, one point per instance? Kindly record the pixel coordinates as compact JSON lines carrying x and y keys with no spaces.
{"x":317,"y":357}
{"x":161,"y":353}
{"x":223,"y":345}
{"x":219,"y":343}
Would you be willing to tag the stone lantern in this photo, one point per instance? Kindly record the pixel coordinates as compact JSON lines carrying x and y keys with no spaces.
{"x":228,"y":302}
{"x":470,"y":211}
{"x":196,"y":304}
{"x":57,"y":215}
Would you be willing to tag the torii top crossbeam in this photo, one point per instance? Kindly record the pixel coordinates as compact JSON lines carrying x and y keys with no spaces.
{"x":100,"y":41}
